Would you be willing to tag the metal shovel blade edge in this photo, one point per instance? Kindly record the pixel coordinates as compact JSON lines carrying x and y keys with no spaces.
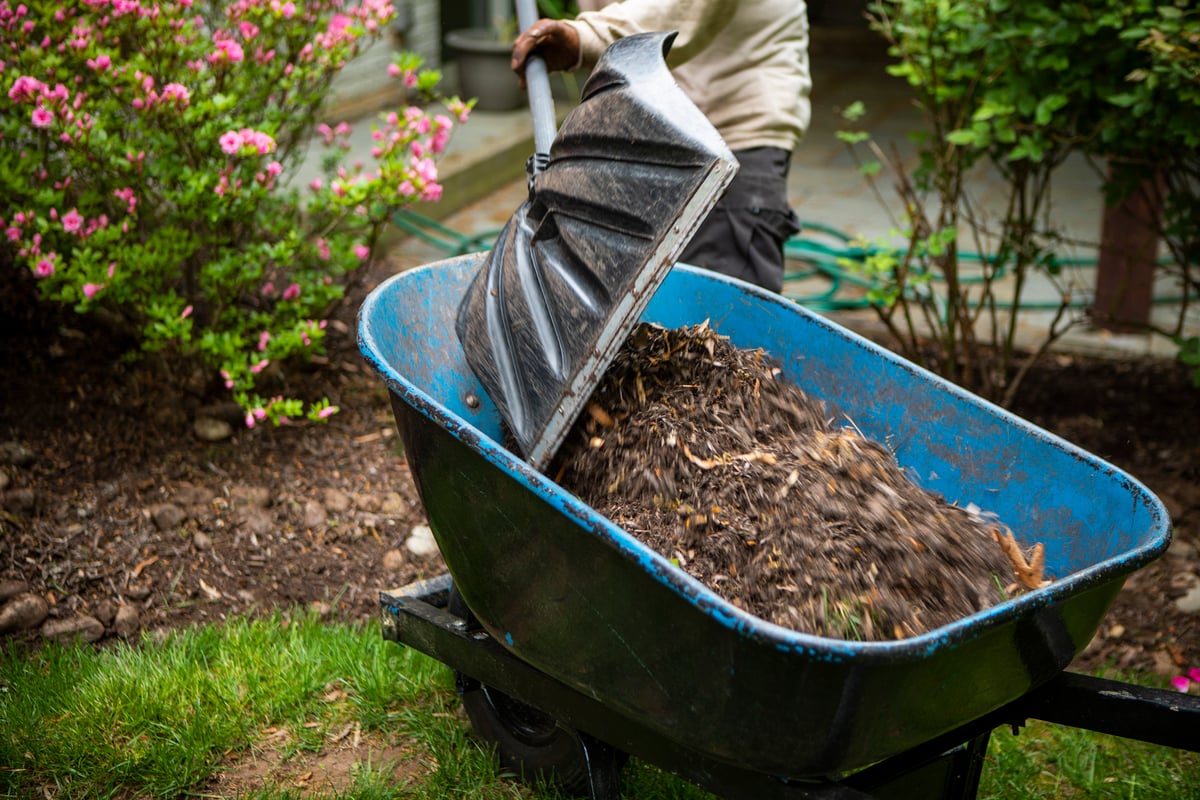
{"x":632,"y":173}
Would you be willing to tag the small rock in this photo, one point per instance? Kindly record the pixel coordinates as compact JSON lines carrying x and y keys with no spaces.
{"x":127,"y":621}
{"x":1190,"y":602}
{"x":167,"y":516}
{"x":188,"y":495}
{"x":336,"y":501}
{"x":256,"y":521}
{"x":393,"y":505}
{"x":201,"y":541}
{"x":366,"y":502}
{"x":23,"y":612}
{"x":229,"y":412}
{"x":321,"y":608}
{"x":138,"y":591}
{"x":393,"y":561}
{"x":106,"y":612}
{"x":11,"y":587}
{"x":1181,"y":548}
{"x":253,"y":496}
{"x":314,"y":515}
{"x":23,"y":499}
{"x":208,"y":429}
{"x":421,"y":542}
{"x":16,"y":454}
{"x":78,"y":628}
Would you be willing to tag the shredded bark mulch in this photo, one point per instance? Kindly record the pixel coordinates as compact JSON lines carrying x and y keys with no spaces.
{"x":706,"y":453}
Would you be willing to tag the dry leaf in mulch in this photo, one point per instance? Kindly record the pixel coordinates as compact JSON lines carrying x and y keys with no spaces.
{"x":706,"y":453}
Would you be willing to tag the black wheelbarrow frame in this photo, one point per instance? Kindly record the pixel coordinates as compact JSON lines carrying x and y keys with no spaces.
{"x":948,"y":767}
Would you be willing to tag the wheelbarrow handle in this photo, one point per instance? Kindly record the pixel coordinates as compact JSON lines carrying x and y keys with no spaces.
{"x":537,"y":84}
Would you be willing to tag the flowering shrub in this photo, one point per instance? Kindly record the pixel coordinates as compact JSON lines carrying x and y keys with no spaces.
{"x":144,"y":154}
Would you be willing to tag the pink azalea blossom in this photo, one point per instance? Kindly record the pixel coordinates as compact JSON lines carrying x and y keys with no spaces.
{"x":187,"y":312}
{"x":1181,"y":683}
{"x":44,"y":268}
{"x":327,"y":412}
{"x":231,"y":142}
{"x":260,"y":366}
{"x":72,"y":221}
{"x":100,"y":63}
{"x":393,"y":70}
{"x":42,"y":118}
{"x":226,"y":51}
{"x":90,"y":290}
{"x":291,"y":292}
{"x":263,"y":339}
{"x":362,"y":251}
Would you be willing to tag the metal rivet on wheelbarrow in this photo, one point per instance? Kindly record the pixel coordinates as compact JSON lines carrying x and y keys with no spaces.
{"x":632,"y":173}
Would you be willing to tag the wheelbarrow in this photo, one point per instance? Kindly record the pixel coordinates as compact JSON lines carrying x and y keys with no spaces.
{"x":575,"y":643}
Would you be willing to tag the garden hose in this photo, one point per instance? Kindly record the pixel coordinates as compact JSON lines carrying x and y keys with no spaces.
{"x":823,"y":252}
{"x":819,"y":251}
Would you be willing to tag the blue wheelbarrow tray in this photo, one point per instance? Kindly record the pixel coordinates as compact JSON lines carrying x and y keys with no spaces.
{"x":582,"y":600}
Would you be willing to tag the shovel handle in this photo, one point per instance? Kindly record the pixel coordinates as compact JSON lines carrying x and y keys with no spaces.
{"x":537,"y":85}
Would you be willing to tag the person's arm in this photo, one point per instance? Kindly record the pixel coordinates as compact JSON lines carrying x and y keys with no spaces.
{"x":570,"y":44}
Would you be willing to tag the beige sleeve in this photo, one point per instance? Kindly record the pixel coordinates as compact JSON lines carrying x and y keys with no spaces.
{"x":697,"y":21}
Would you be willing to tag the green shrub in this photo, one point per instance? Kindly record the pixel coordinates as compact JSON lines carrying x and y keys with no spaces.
{"x":146,"y":153}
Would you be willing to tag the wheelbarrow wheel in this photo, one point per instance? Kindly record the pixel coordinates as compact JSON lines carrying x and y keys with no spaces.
{"x":532,"y":744}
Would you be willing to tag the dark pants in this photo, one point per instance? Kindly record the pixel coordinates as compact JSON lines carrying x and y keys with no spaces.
{"x":744,"y":235}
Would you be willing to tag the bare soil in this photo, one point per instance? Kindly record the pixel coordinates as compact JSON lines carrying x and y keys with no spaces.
{"x":111,"y":501}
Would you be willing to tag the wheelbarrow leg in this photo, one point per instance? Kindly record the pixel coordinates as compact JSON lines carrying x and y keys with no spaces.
{"x":604,"y":764}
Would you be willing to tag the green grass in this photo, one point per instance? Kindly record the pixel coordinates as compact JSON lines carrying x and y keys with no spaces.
{"x":157,"y":721}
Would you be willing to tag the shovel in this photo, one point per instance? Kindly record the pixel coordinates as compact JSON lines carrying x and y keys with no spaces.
{"x":614,"y":198}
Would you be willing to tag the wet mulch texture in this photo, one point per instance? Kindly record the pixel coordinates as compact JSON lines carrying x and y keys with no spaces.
{"x":708,"y":455}
{"x":114,"y":507}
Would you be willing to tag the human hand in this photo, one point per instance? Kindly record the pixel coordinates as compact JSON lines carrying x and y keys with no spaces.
{"x":556,"y":42}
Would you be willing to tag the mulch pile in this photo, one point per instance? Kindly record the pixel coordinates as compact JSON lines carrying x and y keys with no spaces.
{"x":708,"y":455}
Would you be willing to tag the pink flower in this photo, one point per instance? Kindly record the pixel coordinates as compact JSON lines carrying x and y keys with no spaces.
{"x":291,"y":292}
{"x":44,"y":268}
{"x":90,"y":290}
{"x":260,"y":366}
{"x":231,"y":142}
{"x":100,"y":62}
{"x":42,"y":118}
{"x":187,"y":312}
{"x":226,"y":51}
{"x":327,"y":412}
{"x":72,"y":221}
{"x":25,"y":88}
{"x":249,"y":420}
{"x":263,"y":338}
{"x":1181,"y":683}
{"x":177,"y":93}
{"x":393,"y":70}
{"x":362,"y":251}
{"x":425,"y":168}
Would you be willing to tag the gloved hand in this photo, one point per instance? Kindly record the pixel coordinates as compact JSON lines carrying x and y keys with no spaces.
{"x":555,"y":42}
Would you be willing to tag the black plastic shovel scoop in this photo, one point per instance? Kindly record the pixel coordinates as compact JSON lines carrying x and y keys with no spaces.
{"x":614,"y":198}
